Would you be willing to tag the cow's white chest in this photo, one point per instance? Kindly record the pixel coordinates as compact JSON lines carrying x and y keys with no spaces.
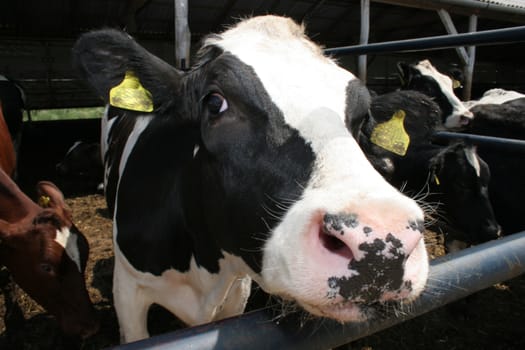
{"x":195,"y":296}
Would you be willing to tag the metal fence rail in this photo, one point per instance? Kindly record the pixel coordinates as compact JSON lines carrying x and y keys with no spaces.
{"x":499,"y":143}
{"x":452,"y":277}
{"x":486,"y":37}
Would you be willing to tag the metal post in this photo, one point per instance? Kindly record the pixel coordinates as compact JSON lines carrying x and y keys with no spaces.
{"x":363,"y":38}
{"x":182,"y":35}
{"x":451,"y":29}
{"x":469,"y":68}
{"x":486,"y":37}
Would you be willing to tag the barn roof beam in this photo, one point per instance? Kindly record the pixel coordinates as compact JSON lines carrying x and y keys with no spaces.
{"x":500,"y":10}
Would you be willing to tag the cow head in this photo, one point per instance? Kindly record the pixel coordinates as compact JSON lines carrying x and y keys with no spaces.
{"x":47,"y":255}
{"x":424,"y":77}
{"x":251,"y":150}
{"x":463,"y":178}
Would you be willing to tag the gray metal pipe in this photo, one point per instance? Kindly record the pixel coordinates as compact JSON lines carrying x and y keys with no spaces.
{"x":452,"y":277}
{"x":486,"y":37}
{"x":467,"y":7}
{"x":500,"y":143}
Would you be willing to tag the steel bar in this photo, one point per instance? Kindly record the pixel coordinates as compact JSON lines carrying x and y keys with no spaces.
{"x":491,"y":141}
{"x":486,"y":37}
{"x":452,"y":277}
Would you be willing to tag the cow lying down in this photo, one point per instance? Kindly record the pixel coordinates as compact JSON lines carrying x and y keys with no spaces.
{"x":243,"y":168}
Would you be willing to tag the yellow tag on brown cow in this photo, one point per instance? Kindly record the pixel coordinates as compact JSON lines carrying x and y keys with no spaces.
{"x":456,"y":84}
{"x":130,"y":94}
{"x":391,"y":135}
{"x":44,"y":201}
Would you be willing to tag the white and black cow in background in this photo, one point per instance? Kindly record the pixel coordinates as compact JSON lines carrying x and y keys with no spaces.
{"x":396,"y":137}
{"x":499,"y":113}
{"x":424,"y":77}
{"x":243,"y":168}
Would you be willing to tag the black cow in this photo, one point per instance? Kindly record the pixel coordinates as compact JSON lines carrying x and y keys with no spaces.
{"x":81,"y":170}
{"x":451,"y":176}
{"x":242,"y":168}
{"x":498,"y":113}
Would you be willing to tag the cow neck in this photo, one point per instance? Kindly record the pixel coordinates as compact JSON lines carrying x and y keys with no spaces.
{"x":14,"y":204}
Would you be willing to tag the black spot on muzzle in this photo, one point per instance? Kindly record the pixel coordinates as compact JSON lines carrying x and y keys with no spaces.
{"x":338,"y":222}
{"x":381,"y":270}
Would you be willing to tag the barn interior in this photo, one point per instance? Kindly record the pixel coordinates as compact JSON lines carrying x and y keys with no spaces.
{"x":36,"y":39}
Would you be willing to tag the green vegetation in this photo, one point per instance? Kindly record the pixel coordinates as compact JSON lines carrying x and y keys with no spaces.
{"x":66,"y":113}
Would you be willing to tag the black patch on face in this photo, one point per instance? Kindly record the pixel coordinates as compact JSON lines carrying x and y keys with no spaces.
{"x":338,"y":222}
{"x":417,"y":225}
{"x":357,"y":105}
{"x":430,"y":87}
{"x":249,"y":168}
{"x":377,"y":273}
{"x":251,"y":163}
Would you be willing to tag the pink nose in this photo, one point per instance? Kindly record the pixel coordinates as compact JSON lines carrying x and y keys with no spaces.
{"x":369,"y":259}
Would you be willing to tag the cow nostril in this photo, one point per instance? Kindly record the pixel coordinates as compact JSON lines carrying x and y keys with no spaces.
{"x":335,"y":245}
{"x":464,"y":120}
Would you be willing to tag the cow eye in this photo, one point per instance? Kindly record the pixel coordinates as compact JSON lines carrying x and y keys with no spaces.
{"x":47,"y":268}
{"x":215,"y":103}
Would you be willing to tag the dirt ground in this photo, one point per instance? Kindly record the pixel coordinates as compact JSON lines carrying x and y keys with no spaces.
{"x":492,"y":319}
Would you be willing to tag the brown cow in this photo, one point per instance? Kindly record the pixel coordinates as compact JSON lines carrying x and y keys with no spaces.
{"x":7,"y":150}
{"x":46,"y":254}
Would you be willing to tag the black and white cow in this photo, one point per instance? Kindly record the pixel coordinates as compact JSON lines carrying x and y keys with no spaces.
{"x":496,"y":96}
{"x":243,"y":168}
{"x":453,"y":177}
{"x":81,"y":170}
{"x":502,"y":117}
{"x":424,"y":77}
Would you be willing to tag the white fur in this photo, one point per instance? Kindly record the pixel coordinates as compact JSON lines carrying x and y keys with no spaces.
{"x":495,"y":96}
{"x":141,"y":123}
{"x":473,"y":160}
{"x":68,"y":240}
{"x":195,"y":296}
{"x":445,"y":84}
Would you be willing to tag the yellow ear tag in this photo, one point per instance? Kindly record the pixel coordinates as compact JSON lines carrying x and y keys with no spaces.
{"x":456,"y":84}
{"x":391,"y":135}
{"x":44,"y":201}
{"x":436,"y":180}
{"x":130,"y":94}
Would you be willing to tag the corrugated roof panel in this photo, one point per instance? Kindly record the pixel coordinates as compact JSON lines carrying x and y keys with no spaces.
{"x":508,"y":3}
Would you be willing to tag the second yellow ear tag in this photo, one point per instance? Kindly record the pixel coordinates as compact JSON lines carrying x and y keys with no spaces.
{"x":44,"y":201}
{"x":391,"y":135}
{"x":130,"y":94}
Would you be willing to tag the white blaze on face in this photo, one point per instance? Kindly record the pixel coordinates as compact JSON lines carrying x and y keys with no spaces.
{"x":68,"y":241}
{"x":473,"y":160}
{"x":445,"y":84}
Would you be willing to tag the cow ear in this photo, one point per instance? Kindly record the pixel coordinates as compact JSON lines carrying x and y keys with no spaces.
{"x":358,"y":101}
{"x":403,"y":70}
{"x":123,"y":73}
{"x":50,"y":196}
